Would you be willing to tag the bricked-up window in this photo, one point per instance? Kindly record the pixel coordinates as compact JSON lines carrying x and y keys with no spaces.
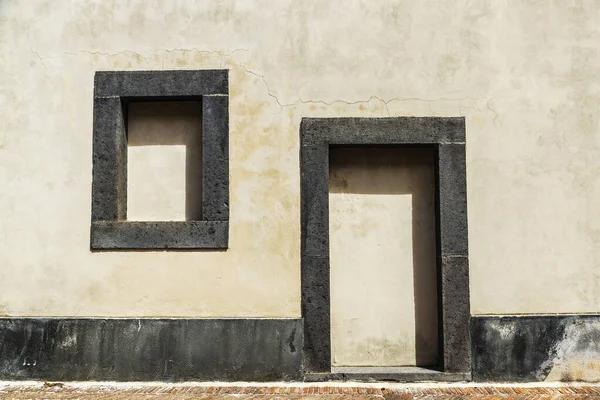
{"x":205,"y":221}
{"x":164,"y":161}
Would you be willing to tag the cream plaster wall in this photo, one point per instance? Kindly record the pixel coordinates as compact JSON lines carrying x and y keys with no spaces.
{"x":164,"y":161}
{"x":523,"y":73}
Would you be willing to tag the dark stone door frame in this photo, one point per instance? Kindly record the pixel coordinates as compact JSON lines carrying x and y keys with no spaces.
{"x":447,"y":137}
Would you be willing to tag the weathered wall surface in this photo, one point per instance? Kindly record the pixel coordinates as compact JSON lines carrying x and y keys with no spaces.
{"x":536,"y":348}
{"x":523,"y":73}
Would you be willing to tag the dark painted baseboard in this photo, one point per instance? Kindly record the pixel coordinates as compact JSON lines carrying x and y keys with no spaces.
{"x":60,"y":349}
{"x":535,"y":347}
{"x":505,"y":348}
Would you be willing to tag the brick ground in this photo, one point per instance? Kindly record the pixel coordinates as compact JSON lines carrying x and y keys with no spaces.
{"x":358,"y":392}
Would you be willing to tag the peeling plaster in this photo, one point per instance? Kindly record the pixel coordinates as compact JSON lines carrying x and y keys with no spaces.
{"x":577,"y":356}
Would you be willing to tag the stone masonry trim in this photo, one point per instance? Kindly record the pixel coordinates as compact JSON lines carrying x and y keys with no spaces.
{"x":150,"y":349}
{"x":113,"y":90}
{"x":447,"y":137}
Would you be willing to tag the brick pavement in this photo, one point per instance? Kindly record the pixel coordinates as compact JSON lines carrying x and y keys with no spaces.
{"x":13,"y":390}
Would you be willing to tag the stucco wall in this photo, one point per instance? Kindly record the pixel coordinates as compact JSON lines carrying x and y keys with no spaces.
{"x":164,"y":161}
{"x":523,"y":73}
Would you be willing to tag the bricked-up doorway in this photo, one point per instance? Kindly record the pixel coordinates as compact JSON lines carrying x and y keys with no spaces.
{"x":382,"y":257}
{"x":445,"y":138}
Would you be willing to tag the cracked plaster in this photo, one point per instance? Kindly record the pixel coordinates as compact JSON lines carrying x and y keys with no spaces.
{"x":523,"y":74}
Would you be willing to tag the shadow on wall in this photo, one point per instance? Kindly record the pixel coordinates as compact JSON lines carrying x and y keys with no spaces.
{"x":172,"y":124}
{"x":409,"y":171}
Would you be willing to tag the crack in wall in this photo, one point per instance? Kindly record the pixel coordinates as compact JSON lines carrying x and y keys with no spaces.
{"x":271,"y":94}
{"x":41,"y":60}
{"x":381,"y":100}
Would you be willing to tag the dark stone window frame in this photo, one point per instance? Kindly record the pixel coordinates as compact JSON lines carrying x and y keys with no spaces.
{"x":113,"y":91}
{"x":447,"y":137}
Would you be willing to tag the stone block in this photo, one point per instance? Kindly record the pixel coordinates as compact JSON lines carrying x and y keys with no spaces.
{"x":115,"y":235}
{"x":100,"y":349}
{"x":160,"y":85}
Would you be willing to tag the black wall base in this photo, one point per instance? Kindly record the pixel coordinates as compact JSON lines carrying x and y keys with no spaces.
{"x":527,"y":348}
{"x":150,"y":349}
{"x":534,"y":348}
